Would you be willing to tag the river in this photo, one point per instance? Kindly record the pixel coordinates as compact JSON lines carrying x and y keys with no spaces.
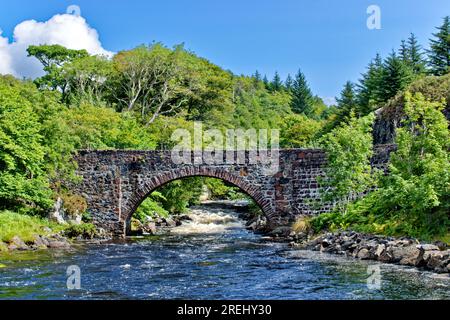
{"x":210,"y":257}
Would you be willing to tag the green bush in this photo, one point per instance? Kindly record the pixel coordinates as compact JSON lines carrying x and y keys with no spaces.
{"x":85,"y":230}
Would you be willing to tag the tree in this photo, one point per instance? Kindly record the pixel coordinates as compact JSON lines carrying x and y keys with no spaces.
{"x":149,"y":81}
{"x":302,"y":97}
{"x":349,"y":150}
{"x":396,"y":76}
{"x":266,"y":83}
{"x":439,"y":54}
{"x":417,"y":189}
{"x":298,"y":131}
{"x":276,"y":84}
{"x":53,"y":57}
{"x":23,"y":179}
{"x":289,"y":82}
{"x":404,"y":52}
{"x":346,"y":104}
{"x":88,"y":79}
{"x":369,"y":87}
{"x":256,"y":78}
{"x":416,"y":60}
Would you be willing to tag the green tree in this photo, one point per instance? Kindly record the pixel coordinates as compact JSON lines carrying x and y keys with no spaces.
{"x":289,"y":82}
{"x":369,"y":87}
{"x":349,"y":150}
{"x":416,"y":192}
{"x":276,"y":84}
{"x":416,"y":60}
{"x":396,"y":76}
{"x":23,"y":180}
{"x":346,"y":103}
{"x":88,"y":79}
{"x":298,"y":131}
{"x":302,"y":98}
{"x":439,"y":54}
{"x":53,"y":57}
{"x":266,"y":83}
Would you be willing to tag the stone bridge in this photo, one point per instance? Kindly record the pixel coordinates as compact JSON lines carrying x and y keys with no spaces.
{"x":114,"y":182}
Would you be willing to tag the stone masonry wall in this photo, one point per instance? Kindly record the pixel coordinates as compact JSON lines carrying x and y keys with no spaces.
{"x":114,"y":182}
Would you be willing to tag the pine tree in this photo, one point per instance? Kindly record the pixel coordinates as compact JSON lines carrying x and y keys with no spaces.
{"x":396,"y":76}
{"x":302,"y":98}
{"x":289,"y":82}
{"x":439,"y":55}
{"x":416,"y":60}
{"x":346,"y":103}
{"x":369,"y":87}
{"x":404,"y":52}
{"x":276,"y":84}
{"x":256,"y":78}
{"x":266,"y":83}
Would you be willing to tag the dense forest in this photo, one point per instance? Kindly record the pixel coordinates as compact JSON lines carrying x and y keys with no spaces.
{"x":137,"y":98}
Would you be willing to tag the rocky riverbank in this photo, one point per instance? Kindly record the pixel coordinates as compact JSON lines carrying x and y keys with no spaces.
{"x":404,"y":251}
{"x":38,"y":243}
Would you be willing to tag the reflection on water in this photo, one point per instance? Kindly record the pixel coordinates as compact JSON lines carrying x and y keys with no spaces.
{"x":210,"y":257}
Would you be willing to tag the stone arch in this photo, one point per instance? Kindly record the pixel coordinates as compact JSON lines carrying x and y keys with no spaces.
{"x":161,"y":179}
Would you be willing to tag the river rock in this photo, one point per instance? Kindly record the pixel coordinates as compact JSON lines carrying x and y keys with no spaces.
{"x":428,"y":247}
{"x":56,"y":244}
{"x":280,"y":232}
{"x":364,"y":254}
{"x":437,"y":260}
{"x":17,"y":243}
{"x":411,"y":256}
{"x":57,"y":214}
{"x":150,"y":227}
{"x":170,"y":222}
{"x":40,"y":242}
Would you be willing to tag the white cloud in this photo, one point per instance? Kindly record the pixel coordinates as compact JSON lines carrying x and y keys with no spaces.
{"x":68,"y":30}
{"x":329,"y":101}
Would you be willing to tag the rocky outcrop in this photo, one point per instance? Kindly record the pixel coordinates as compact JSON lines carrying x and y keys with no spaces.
{"x":55,"y":241}
{"x":390,"y":116}
{"x":404,"y":251}
{"x":61,"y":215}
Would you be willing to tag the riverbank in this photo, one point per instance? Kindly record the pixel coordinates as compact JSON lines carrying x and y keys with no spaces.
{"x":21,"y":232}
{"x":403,"y":251}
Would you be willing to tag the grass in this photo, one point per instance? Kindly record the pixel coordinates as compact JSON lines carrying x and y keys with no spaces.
{"x":24,"y":226}
{"x":302,"y":225}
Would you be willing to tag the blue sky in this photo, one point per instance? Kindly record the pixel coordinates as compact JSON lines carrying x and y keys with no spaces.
{"x":328,"y":40}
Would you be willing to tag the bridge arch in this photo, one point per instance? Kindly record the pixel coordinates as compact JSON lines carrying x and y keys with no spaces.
{"x":162,"y":179}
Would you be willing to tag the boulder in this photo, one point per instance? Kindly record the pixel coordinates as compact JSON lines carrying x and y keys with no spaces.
{"x":56,"y":244}
{"x":411,"y":256}
{"x":364,"y":254}
{"x":17,"y":243}
{"x":280,"y":232}
{"x":150,"y":228}
{"x":438,"y":260}
{"x":386,"y":255}
{"x":427,"y":247}
{"x":170,"y":222}
{"x":40,"y":242}
{"x":57,"y":214}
